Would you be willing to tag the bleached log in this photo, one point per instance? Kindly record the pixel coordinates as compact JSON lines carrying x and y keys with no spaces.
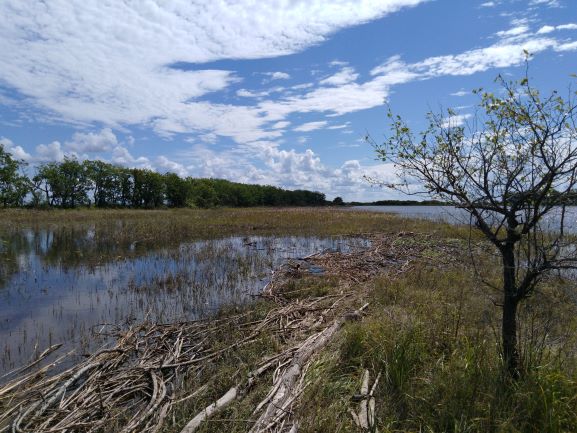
{"x":285,"y":389}
{"x":363,"y":414}
{"x":210,"y":410}
{"x":364,"y":418}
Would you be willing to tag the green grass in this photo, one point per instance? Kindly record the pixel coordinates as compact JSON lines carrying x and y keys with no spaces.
{"x":185,"y":224}
{"x":433,"y":335}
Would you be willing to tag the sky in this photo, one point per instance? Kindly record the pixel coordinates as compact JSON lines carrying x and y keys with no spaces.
{"x":276,"y":92}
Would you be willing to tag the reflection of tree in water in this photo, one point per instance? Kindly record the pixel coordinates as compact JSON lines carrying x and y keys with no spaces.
{"x":73,"y":246}
{"x":65,"y":247}
{"x":69,"y":247}
{"x":11,"y":246}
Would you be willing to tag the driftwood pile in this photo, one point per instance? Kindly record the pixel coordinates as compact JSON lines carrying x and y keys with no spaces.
{"x":133,"y":385}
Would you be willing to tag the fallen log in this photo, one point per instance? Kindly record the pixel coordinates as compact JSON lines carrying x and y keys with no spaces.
{"x":210,"y":410}
{"x":286,"y":388}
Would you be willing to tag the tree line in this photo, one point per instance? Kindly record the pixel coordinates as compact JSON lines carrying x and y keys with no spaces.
{"x":72,"y":183}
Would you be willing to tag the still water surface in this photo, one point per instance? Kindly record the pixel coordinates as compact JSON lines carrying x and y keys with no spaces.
{"x":57,"y":286}
{"x":454,"y":215}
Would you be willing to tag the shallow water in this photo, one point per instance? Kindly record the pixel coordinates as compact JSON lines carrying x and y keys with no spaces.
{"x":58,"y":286}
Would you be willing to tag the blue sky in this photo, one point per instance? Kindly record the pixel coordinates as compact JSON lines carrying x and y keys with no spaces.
{"x":271,"y":92}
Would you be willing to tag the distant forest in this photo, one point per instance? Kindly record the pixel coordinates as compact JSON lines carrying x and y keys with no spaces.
{"x":71,"y":184}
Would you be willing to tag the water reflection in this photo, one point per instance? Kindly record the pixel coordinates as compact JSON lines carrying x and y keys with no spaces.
{"x":56,"y":285}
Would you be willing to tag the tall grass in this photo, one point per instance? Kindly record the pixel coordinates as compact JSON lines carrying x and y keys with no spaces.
{"x":433,"y":334}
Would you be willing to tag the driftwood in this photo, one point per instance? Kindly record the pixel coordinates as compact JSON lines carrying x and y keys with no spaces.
{"x":288,"y":386}
{"x":132,"y":386}
{"x":364,"y":417}
{"x":206,"y":413}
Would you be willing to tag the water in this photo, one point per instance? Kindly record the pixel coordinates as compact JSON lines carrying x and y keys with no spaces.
{"x":454,"y":215}
{"x":58,"y":286}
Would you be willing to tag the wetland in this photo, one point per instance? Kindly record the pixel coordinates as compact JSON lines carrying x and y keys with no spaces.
{"x":272,"y":318}
{"x":65,"y":277}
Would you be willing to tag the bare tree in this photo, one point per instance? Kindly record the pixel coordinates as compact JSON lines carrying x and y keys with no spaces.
{"x":513,"y":169}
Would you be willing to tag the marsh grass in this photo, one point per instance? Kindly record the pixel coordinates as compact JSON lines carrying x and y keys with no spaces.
{"x":433,"y":335}
{"x":173,"y":226}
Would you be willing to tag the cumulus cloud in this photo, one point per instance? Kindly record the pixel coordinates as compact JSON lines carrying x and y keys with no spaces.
{"x":49,"y":152}
{"x":121,"y":156}
{"x":163,"y":164}
{"x":92,"y":142}
{"x":17,"y":152}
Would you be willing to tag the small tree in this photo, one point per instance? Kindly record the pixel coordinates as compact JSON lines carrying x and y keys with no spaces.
{"x":338,"y":201}
{"x":513,"y":167}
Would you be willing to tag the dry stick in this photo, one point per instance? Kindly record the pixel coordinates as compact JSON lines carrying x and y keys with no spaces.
{"x":371,"y":408}
{"x":206,"y":413}
{"x":43,"y":355}
{"x":365,"y":417}
{"x":194,"y":394}
{"x":286,"y":391}
{"x":53,"y":398}
{"x":363,"y":407}
{"x":231,"y":394}
{"x":17,"y":382}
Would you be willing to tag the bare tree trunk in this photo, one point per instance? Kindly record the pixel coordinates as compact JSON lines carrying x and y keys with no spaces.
{"x":509,"y":335}
{"x":509,"y":323}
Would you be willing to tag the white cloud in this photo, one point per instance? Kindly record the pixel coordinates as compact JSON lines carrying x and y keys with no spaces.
{"x":488,"y":5}
{"x":456,"y":120}
{"x":121,"y":156}
{"x":163,"y":164}
{"x":310,"y":126}
{"x":515,"y":31}
{"x":460,"y":93}
{"x":247,"y":93}
{"x":344,"y":76}
{"x":17,"y":152}
{"x":49,"y":152}
{"x":341,"y":126}
{"x":569,"y":46}
{"x":550,"y":3}
{"x":278,"y":75}
{"x":281,"y":124}
{"x":570,"y":26}
{"x":499,"y":55}
{"x":549,"y":29}
{"x":88,"y":61}
{"x":545,"y":29}
{"x":92,"y":142}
